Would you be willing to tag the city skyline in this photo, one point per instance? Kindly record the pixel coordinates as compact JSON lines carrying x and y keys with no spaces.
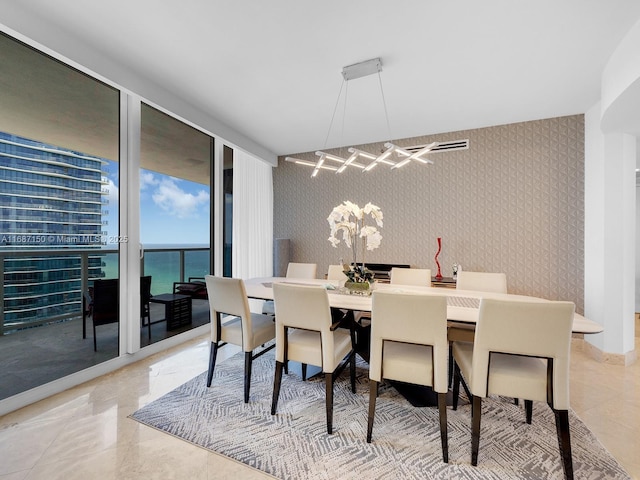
{"x":172,"y":210}
{"x":52,"y":197}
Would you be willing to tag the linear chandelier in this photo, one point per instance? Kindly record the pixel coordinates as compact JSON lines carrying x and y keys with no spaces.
{"x":392,"y":155}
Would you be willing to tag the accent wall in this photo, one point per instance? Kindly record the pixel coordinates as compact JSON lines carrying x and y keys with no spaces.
{"x":513,"y":202}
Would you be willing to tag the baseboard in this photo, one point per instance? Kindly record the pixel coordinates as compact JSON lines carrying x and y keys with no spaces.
{"x":624,"y":359}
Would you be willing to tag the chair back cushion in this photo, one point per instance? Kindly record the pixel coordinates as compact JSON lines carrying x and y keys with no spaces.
{"x":145,"y":295}
{"x":105,"y":301}
{"x":228,"y":296}
{"x":301,"y":270}
{"x":195,"y":289}
{"x":145,"y":288}
{"x":305,"y":307}
{"x":532,"y":329}
{"x":336,"y":272}
{"x":482,"y":282}
{"x":411,"y":276}
{"x":412,"y":319}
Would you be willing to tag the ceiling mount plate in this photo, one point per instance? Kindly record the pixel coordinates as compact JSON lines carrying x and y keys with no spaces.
{"x":362,"y":69}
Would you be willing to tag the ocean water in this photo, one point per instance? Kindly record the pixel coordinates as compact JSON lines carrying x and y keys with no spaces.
{"x":164,"y":267}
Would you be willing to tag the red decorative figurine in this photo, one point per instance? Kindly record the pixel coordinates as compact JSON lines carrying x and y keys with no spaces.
{"x":438,"y":275}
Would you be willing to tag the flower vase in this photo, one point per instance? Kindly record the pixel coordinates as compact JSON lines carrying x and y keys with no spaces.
{"x":439,"y":274}
{"x":358,"y":288}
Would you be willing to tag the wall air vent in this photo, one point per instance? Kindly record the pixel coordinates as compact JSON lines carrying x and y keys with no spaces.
{"x":443,"y":146}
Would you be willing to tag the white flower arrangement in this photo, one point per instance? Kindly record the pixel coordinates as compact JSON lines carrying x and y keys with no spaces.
{"x":348,"y":219}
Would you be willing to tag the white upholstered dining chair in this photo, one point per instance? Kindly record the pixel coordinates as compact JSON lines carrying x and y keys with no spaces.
{"x":305,"y":334}
{"x":482,"y":281}
{"x":420,"y":277}
{"x":301,"y":270}
{"x":478,"y":282}
{"x":233,"y":322}
{"x":521,"y":350}
{"x":409,"y":344}
{"x":411,"y":276}
{"x":359,"y":320}
{"x":336,"y":273}
{"x":294,"y":270}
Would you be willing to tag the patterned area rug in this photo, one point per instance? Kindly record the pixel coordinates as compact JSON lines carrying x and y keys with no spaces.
{"x":406,"y":439}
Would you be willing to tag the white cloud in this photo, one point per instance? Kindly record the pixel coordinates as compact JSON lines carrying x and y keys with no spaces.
{"x":175,"y":201}
{"x":147,"y":179}
{"x":114,"y":194}
{"x":111,"y":218}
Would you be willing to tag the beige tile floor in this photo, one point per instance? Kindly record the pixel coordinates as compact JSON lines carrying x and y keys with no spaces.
{"x":84,"y":433}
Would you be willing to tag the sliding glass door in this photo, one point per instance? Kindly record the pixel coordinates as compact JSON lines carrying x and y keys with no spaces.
{"x":175,"y":199}
{"x":59,"y":169}
{"x":66,"y":238}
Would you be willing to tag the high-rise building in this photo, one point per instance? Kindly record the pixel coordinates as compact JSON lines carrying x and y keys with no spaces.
{"x":50,"y":199}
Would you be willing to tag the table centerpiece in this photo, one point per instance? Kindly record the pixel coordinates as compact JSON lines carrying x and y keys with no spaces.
{"x":349,"y":219}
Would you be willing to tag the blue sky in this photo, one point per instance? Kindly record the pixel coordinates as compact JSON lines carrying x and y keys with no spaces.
{"x":172,"y":210}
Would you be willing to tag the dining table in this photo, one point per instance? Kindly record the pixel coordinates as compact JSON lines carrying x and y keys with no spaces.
{"x":462,"y":305}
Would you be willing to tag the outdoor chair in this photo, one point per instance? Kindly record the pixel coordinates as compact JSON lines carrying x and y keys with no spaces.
{"x":104,"y":305}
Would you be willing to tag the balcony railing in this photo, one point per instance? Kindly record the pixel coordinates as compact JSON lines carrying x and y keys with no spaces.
{"x":39,"y":294}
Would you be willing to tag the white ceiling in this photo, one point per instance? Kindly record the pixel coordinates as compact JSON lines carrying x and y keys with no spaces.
{"x":271,"y":70}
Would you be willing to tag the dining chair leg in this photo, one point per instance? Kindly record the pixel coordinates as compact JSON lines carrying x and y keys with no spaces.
{"x":466,"y":388}
{"x":352,"y":371}
{"x":528,"y":408}
{"x":564,"y":441}
{"x":456,"y":385}
{"x":475,"y":428}
{"x":213,"y":353}
{"x":95,"y":344}
{"x":450,"y":368}
{"x":304,"y":372}
{"x":328,"y":377}
{"x":84,"y":318}
{"x":373,"y":395}
{"x":248,"y":360}
{"x":277,"y":380}
{"x":442,"y":410}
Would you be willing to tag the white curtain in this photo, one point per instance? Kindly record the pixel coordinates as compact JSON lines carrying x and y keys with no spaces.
{"x":252,"y":217}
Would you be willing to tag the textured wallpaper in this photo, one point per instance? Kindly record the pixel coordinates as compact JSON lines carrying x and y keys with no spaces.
{"x":513,"y":202}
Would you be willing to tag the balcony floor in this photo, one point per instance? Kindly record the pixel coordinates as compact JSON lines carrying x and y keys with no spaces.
{"x":38,"y":355}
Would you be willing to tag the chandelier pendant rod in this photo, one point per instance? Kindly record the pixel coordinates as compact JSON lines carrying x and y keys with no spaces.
{"x":384,"y":104}
{"x":333,"y":116}
{"x":351,"y":72}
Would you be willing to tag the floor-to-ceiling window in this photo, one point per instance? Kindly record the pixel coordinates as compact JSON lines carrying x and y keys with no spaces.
{"x":64,"y":230}
{"x":59,"y":144}
{"x":175,"y":200}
